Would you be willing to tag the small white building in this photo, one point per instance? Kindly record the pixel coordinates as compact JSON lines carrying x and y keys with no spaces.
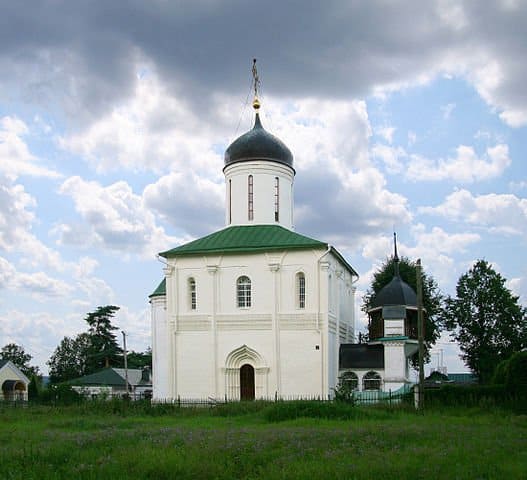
{"x":115,"y":382}
{"x":13,"y":382}
{"x":254,"y":310}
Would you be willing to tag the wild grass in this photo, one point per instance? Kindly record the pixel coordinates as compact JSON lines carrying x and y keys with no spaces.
{"x":292,"y":440}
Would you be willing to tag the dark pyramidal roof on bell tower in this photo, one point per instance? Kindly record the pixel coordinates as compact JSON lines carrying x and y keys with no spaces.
{"x":258,"y":144}
{"x":397,"y":292}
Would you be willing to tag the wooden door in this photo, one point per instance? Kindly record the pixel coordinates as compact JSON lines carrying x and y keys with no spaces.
{"x":246,"y":382}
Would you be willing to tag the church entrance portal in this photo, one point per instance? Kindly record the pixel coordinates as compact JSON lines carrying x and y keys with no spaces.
{"x":246,"y":382}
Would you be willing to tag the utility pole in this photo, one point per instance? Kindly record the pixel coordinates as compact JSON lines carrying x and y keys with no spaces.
{"x":125,"y":362}
{"x":420,"y":335}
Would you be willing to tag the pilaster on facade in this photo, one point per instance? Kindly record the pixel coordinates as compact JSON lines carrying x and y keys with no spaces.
{"x":274,"y":267}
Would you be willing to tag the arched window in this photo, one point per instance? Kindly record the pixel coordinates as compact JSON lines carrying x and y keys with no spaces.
{"x":230,"y":201}
{"x":250,"y":198}
{"x":276,"y":199}
{"x":300,"y":290}
{"x":349,"y":380}
{"x":243,"y":292}
{"x":192,"y":293}
{"x":371,"y":381}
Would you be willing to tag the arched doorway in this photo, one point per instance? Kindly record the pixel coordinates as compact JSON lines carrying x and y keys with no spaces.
{"x":13,"y":390}
{"x":246,"y":374}
{"x":247,"y":382}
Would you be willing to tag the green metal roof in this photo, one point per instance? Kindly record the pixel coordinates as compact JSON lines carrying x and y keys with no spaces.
{"x":245,"y":239}
{"x":108,"y":377}
{"x":161,"y":289}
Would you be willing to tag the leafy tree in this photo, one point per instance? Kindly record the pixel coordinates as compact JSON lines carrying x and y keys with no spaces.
{"x":432,"y":297}
{"x":33,"y":389}
{"x":20,"y":358}
{"x":104,"y":350}
{"x":487,"y":320}
{"x":70,"y":358}
{"x":139,"y":359}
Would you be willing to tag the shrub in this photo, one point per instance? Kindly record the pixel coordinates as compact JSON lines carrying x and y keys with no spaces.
{"x":483,"y":396}
{"x":60,"y":394}
{"x":234,"y":409}
{"x":501,"y":372}
{"x":516,"y":379}
{"x":290,"y":410}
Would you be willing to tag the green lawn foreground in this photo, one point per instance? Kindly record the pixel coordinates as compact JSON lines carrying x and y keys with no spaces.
{"x":96,"y":443}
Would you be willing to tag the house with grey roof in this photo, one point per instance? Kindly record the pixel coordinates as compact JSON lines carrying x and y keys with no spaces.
{"x":111,"y":382}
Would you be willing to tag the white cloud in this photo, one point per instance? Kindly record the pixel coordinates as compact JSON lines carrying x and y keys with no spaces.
{"x":150,"y":130}
{"x":465,"y":167}
{"x":452,"y":14}
{"x":390,"y":156}
{"x":190,"y":203}
{"x":519,"y":287}
{"x":36,"y":283}
{"x":504,"y":213}
{"x":113,"y":217}
{"x":517,"y":186}
{"x":386,"y":133}
{"x":15,"y":156}
{"x":447,"y":110}
{"x":436,"y":248}
{"x":38,"y":333}
{"x":16,"y":221}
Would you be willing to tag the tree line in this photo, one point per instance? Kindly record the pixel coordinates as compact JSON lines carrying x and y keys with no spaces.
{"x":484,"y":317}
{"x":86,"y":353}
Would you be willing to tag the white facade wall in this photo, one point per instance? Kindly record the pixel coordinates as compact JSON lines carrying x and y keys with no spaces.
{"x":161,"y":350}
{"x":264,"y":174}
{"x":294,"y":351}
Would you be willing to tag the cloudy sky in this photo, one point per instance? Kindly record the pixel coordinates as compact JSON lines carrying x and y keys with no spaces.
{"x":114,"y":117}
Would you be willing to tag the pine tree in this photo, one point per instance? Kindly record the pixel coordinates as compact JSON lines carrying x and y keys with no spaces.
{"x":103,"y":351}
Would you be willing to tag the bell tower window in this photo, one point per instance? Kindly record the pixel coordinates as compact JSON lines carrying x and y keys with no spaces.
{"x":276,"y":199}
{"x":192,"y":293}
{"x":230,"y":201}
{"x":300,"y":290}
{"x":250,"y":198}
{"x":243,"y":292}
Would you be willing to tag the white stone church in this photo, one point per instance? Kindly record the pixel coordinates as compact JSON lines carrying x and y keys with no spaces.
{"x":256,"y":310}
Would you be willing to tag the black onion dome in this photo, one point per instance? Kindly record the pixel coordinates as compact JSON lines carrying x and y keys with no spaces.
{"x":258,"y":144}
{"x":397,"y":292}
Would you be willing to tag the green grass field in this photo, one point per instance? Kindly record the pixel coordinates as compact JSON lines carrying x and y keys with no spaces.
{"x":105,"y":442}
